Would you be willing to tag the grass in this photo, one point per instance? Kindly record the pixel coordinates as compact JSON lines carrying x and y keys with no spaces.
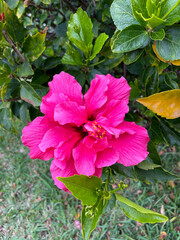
{"x":31,"y":207}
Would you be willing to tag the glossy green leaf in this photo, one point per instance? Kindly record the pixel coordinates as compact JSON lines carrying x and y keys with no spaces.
{"x":12,"y":3}
{"x":155,"y":132}
{"x":122,"y":15}
{"x":153,"y":153}
{"x":98,"y":44}
{"x":25,"y":69}
{"x":157,"y":34}
{"x":80,"y":31}
{"x":135,"y":91}
{"x":169,"y":47}
{"x":89,"y":222}
{"x":168,"y":78}
{"x":154,"y":21}
{"x":129,"y":39}
{"x":83,"y":187}
{"x":171,"y":135}
{"x":6,"y":119}
{"x":3,"y":91}
{"x":138,"y":213}
{"x":51,"y":62}
{"x":152,"y":82}
{"x":128,"y":172}
{"x":133,"y":56}
{"x":139,"y":6}
{"x":170,"y":11}
{"x":156,"y":175}
{"x":13,"y":27}
{"x":72,"y":56}
{"x":33,"y":46}
{"x":28,"y":94}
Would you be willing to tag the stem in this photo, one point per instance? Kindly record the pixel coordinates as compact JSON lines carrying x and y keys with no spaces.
{"x":107,"y":181}
{"x":171,"y":9}
{"x":13,"y":45}
{"x":49,"y":9}
{"x":11,"y":100}
{"x":92,"y":65}
{"x":115,"y":190}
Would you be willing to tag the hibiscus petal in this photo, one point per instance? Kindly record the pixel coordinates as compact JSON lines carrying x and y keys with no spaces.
{"x":98,"y":172}
{"x":66,"y":84}
{"x":70,"y":112}
{"x":84,"y":159}
{"x":118,"y":89}
{"x":114,"y":111}
{"x":107,"y":157}
{"x":96,"y":95}
{"x":132,"y":148}
{"x":55,"y":135}
{"x":32,"y":136}
{"x":57,"y":172}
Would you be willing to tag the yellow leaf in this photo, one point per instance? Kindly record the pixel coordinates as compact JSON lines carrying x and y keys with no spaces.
{"x":166,"y":104}
{"x":175,"y":62}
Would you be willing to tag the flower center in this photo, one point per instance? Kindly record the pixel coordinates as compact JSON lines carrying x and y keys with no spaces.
{"x":96,"y":130}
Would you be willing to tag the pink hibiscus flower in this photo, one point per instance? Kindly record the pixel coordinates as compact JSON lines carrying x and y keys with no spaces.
{"x":85,"y":133}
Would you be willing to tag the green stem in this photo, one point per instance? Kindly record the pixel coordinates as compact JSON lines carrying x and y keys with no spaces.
{"x":115,"y":190}
{"x":92,"y":65}
{"x":107,"y":181}
{"x":171,"y":9}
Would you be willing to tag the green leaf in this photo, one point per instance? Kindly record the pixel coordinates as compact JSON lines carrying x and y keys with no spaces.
{"x":135,"y":91}
{"x":154,"y":21}
{"x":147,"y":166}
{"x":170,"y":11}
{"x":153,"y":154}
{"x":83,"y":187}
{"x":155,"y":132}
{"x":171,"y":135}
{"x":6,"y":119}
{"x":133,"y":56}
{"x":157,"y":34}
{"x":89,"y":222}
{"x":169,"y":47}
{"x":72,"y":56}
{"x":156,"y":175}
{"x":51,"y":62}
{"x":139,"y":6}
{"x":122,"y":15}
{"x":80,"y":31}
{"x":13,"y":27}
{"x":12,"y":3}
{"x":139,"y":213}
{"x":98,"y":45}
{"x":129,"y":39}
{"x":3,"y":91}
{"x":25,"y":69}
{"x":151,"y":7}
{"x":128,"y":172}
{"x":152,"y":82}
{"x":4,"y":79}
{"x":20,"y":9}
{"x":46,"y":1}
{"x":168,"y":78}
{"x":33,"y":46}
{"x":28,"y":94}
{"x":1,"y":28}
